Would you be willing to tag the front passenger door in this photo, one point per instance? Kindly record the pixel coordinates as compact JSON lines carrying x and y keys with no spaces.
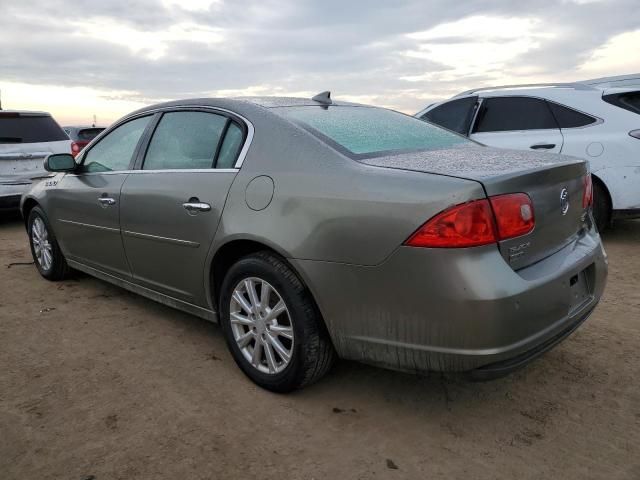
{"x":172,"y":205}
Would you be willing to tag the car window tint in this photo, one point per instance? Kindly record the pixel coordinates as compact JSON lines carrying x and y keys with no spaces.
{"x":185,"y":140}
{"x":369,"y":130}
{"x":230,"y":147}
{"x":114,"y":151}
{"x":29,"y":128}
{"x":568,"y":117}
{"x":455,"y":115}
{"x":629,"y":100}
{"x":499,"y":114}
{"x":89,"y":133}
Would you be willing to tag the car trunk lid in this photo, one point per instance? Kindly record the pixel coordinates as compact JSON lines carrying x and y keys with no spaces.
{"x":554,"y":183}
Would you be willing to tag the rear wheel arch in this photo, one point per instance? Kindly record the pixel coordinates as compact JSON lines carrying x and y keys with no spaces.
{"x":234,"y":250}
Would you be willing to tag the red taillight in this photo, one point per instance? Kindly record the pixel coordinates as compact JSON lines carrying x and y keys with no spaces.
{"x":587,"y":193}
{"x":514,"y":214}
{"x":467,"y":225}
{"x":476,"y":223}
{"x":75,"y":149}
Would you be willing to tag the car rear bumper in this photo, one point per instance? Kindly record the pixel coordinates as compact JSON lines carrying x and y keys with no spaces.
{"x":10,"y":195}
{"x":456,"y":309}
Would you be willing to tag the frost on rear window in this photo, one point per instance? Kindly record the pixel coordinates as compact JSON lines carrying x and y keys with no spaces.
{"x":366,"y":131}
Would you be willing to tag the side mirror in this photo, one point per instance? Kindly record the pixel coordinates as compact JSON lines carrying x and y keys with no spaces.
{"x":59,"y":162}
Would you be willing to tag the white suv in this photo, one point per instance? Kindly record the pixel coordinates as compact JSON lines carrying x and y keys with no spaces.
{"x":25,"y":139}
{"x":598,"y":120}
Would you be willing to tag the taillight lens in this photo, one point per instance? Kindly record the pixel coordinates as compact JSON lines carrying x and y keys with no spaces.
{"x":587,"y":193}
{"x":467,"y":225}
{"x":477,"y":223}
{"x":514,"y":214}
{"x":75,"y":149}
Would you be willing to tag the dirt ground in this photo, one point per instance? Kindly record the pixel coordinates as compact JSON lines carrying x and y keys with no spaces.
{"x":99,"y":383}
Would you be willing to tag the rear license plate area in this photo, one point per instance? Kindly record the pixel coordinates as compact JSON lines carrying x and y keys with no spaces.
{"x":580,"y":289}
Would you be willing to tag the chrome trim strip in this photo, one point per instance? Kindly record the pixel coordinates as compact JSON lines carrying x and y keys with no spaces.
{"x":139,"y":172}
{"x":175,"y":241}
{"x":146,"y":292}
{"x":88,"y":225}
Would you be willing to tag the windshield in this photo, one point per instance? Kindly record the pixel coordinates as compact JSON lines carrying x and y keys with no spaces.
{"x":370,"y":131}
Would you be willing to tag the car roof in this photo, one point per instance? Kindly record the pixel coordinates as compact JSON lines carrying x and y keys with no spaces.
{"x":83,"y":127}
{"x":594,"y":85}
{"x":26,"y":113}
{"x":244,"y":103}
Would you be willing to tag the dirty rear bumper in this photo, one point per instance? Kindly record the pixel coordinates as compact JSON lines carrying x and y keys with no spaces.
{"x":455,"y":309}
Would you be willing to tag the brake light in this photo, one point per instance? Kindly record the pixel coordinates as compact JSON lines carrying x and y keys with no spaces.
{"x":467,"y":225}
{"x":477,"y":223}
{"x":514,"y":214}
{"x":587,"y":193}
{"x":75,"y":149}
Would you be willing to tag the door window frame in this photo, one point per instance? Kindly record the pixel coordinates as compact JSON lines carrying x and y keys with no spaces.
{"x":135,"y":166}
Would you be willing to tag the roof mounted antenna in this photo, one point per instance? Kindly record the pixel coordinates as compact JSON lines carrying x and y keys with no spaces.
{"x":323,"y":97}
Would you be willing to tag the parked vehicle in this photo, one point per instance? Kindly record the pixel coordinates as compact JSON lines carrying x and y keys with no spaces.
{"x":598,"y":120}
{"x":25,"y":139}
{"x":312,"y":228}
{"x":81,"y":136}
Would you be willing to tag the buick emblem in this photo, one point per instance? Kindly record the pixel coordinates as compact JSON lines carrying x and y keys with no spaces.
{"x":564,"y":201}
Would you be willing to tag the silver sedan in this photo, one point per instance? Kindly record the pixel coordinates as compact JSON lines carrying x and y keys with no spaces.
{"x":314,"y":229}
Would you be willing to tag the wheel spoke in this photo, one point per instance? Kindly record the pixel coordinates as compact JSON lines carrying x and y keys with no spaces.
{"x":241,"y":319}
{"x":239,"y":298}
{"x":265,"y":295}
{"x":275,"y":311}
{"x":283,"y":352}
{"x":244,"y":340}
{"x":271,"y":359}
{"x":256,"y":357}
{"x":251,"y":291}
{"x":282,"y":330}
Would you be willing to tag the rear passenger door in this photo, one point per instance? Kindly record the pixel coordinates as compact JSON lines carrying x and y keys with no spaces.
{"x":522,"y":123}
{"x":172,"y":203}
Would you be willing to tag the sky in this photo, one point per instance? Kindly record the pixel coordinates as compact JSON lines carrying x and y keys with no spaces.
{"x":81,"y":58}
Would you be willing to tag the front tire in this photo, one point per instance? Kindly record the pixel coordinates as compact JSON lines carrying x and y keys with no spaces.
{"x":272,"y":325}
{"x":45,"y":250}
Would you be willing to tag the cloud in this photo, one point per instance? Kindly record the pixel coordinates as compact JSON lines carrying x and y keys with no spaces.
{"x":401,"y":54}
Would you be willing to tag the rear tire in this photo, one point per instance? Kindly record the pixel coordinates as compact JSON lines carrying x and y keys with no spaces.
{"x":303,"y":350}
{"x":601,"y":206}
{"x":45,"y":250}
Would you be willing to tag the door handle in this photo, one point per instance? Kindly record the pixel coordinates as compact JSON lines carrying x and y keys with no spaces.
{"x":543,"y":146}
{"x":194,"y":206}
{"x":106,"y":201}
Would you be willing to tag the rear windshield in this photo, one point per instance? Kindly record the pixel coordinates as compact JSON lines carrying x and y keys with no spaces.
{"x":20,"y":128}
{"x":89,"y":133}
{"x":368,"y":131}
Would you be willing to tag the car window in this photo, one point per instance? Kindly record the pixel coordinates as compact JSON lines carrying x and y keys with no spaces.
{"x":29,"y":128}
{"x":185,"y":140}
{"x":230,"y":147}
{"x":455,"y":115}
{"x":114,"y":151}
{"x":568,"y":117}
{"x":499,"y":114}
{"x":629,"y":100}
{"x":88,"y":134}
{"x":368,"y":131}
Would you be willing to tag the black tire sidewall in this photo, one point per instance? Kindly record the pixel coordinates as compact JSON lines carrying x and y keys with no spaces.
{"x":294,"y":297}
{"x":58,"y":264}
{"x":601,"y":207}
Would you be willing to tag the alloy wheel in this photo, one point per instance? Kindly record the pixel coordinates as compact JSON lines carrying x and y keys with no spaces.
{"x":41,"y":245}
{"x":261,"y":325}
